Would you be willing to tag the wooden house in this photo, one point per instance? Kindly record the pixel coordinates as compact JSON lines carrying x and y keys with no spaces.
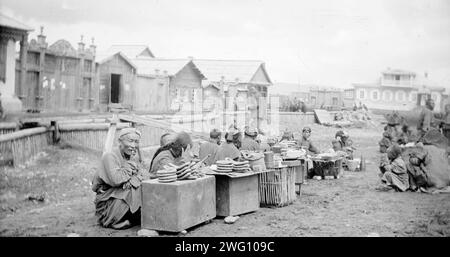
{"x":173,"y":85}
{"x":243,"y":87}
{"x":116,"y":80}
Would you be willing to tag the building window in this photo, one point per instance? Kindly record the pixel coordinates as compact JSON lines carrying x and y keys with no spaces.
{"x":374,"y":95}
{"x":397,"y":77}
{"x":413,"y":96}
{"x":361,"y":94}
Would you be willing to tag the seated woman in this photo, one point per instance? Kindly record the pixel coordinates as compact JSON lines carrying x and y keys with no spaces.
{"x":394,"y":173}
{"x":117,"y":183}
{"x":229,"y":148}
{"x":176,"y":152}
{"x":305,"y":143}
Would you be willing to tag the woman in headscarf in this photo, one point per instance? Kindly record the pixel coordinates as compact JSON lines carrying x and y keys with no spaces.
{"x":117,"y":183}
{"x":175,"y":152}
{"x":394,"y":173}
{"x":229,"y":148}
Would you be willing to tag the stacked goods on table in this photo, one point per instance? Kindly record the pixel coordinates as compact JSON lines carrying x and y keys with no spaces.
{"x":189,"y":170}
{"x":185,"y":171}
{"x":167,"y":175}
{"x":294,"y":154}
{"x":242,"y":167}
{"x":289,"y":144}
{"x":224,"y":166}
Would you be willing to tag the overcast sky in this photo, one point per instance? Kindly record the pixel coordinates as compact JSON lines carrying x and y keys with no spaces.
{"x":328,"y":42}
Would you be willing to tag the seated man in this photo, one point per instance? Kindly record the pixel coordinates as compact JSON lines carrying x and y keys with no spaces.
{"x":305,"y":143}
{"x":249,"y":141}
{"x":117,"y":183}
{"x":394,"y":173}
{"x":385,"y":142}
{"x":229,"y":148}
{"x":210,"y":147}
{"x":346,"y":144}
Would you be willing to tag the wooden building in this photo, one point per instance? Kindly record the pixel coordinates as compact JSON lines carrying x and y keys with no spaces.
{"x":58,"y":78}
{"x":173,"y":85}
{"x":11,"y":31}
{"x":243,"y":88}
{"x":116,"y":79}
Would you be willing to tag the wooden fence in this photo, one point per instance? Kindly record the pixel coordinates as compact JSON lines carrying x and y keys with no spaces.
{"x":22,"y":145}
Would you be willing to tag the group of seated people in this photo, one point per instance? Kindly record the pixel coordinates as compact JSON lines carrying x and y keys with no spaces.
{"x":118,"y":179}
{"x":341,"y":142}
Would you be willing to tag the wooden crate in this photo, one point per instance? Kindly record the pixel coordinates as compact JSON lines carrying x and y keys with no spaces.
{"x":237,"y":194}
{"x":277,"y":187}
{"x":179,"y":205}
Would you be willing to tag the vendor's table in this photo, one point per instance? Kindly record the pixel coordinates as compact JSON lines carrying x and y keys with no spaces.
{"x":179,"y":205}
{"x":277,"y":187}
{"x":236,"y":193}
{"x":327,"y":167}
{"x":299,"y":168}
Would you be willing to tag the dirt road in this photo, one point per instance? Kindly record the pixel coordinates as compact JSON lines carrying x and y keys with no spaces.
{"x":348,"y":206}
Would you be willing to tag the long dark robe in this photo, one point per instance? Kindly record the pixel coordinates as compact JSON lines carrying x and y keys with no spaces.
{"x":208,"y":148}
{"x":396,"y":175}
{"x":227,"y":150}
{"x":113,"y":201}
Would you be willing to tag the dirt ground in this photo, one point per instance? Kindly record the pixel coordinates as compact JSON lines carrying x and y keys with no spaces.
{"x":52,"y":197}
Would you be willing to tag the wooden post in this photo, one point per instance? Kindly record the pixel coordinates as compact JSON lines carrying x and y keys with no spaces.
{"x":111,"y":134}
{"x":56,"y":135}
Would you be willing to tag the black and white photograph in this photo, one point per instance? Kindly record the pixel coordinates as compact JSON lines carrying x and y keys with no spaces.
{"x":224,"y":119}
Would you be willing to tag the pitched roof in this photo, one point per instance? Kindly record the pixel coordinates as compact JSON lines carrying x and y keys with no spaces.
{"x":9,"y":22}
{"x":148,"y":66}
{"x":103,"y":57}
{"x":131,"y":51}
{"x":230,"y":70}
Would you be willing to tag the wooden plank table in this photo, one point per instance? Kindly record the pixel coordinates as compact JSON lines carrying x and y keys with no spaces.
{"x":179,"y":205}
{"x":236,"y":193}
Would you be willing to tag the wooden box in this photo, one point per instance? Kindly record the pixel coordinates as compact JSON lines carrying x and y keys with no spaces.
{"x":237,"y":194}
{"x":179,"y":205}
{"x":277,"y":187}
{"x":327,"y":168}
